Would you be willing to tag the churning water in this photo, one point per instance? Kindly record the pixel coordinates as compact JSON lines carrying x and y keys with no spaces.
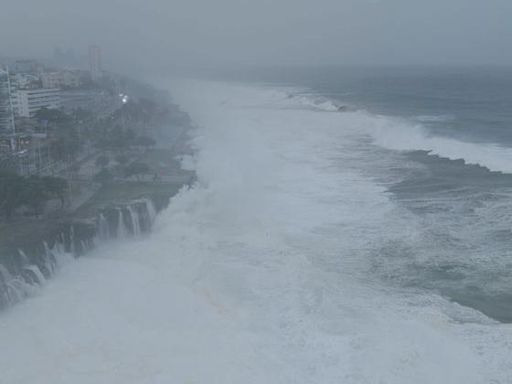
{"x":302,"y":255}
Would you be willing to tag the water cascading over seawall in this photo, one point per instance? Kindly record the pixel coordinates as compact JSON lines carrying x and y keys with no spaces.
{"x":23,"y":273}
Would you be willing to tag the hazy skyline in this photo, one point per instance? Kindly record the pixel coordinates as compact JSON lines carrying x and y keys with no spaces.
{"x":155,"y":34}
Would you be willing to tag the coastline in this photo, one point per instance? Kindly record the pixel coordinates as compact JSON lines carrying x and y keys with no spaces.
{"x":257,"y":262}
{"x":111,"y":210}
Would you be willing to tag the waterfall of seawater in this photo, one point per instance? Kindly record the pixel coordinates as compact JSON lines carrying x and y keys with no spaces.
{"x":14,"y":288}
{"x":35,"y":273}
{"x":29,"y":274}
{"x":24,"y":258}
{"x":135,"y":221}
{"x":121,"y":227}
{"x":103,"y":228}
{"x":49,"y":258}
{"x":72,"y":240}
{"x":150,"y":208}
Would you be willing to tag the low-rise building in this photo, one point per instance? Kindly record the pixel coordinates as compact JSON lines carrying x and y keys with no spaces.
{"x":31,"y":100}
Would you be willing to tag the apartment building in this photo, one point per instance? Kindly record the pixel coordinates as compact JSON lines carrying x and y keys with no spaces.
{"x":31,"y":100}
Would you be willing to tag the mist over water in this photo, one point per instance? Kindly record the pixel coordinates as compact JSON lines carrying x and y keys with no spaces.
{"x":268,"y":270}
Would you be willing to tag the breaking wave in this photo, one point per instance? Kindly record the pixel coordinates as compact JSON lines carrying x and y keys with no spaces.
{"x":408,"y":135}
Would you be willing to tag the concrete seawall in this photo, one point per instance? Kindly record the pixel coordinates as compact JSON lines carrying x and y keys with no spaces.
{"x":25,"y":269}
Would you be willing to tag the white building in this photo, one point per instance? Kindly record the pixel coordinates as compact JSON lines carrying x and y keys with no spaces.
{"x":21,"y":81}
{"x":31,"y":100}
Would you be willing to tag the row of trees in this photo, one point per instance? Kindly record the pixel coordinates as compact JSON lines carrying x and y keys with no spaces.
{"x":70,"y":131}
{"x":32,"y":192}
{"x":134,"y":169}
{"x":119,"y":139}
{"x":121,"y":135}
{"x":64,"y":130}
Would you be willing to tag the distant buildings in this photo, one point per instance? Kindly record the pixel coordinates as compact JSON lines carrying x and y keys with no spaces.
{"x":23,"y":93}
{"x":30,"y":87}
{"x":31,"y":100}
{"x":61,"y":79}
{"x":27,"y":66}
{"x":65,"y":58}
{"x":25,"y":81}
{"x":95,"y":62}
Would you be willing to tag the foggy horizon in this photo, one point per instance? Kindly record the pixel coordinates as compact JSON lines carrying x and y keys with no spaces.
{"x":157,"y":35}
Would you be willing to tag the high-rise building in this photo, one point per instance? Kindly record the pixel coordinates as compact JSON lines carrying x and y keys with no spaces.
{"x":95,"y":62}
{"x":6,"y":106}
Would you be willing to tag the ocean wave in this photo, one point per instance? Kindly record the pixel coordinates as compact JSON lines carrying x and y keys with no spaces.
{"x":318,"y":103}
{"x":399,"y":134}
{"x":410,"y":134}
{"x":434,"y":118}
{"x":256,"y":274}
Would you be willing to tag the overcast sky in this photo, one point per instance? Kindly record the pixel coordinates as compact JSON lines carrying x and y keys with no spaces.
{"x":151,"y":34}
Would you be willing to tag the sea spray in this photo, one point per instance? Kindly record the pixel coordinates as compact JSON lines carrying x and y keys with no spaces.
{"x":49,"y":258}
{"x":135,"y":221}
{"x":72,"y":245}
{"x":122,"y":232}
{"x":103,"y":227}
{"x":81,"y":237}
{"x":23,"y":257}
{"x":35,"y":274}
{"x":150,"y":209}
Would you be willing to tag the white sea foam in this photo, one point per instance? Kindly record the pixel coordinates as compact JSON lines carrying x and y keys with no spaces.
{"x":317,"y":103}
{"x":434,"y":118}
{"x":402,"y":135}
{"x":407,"y":135}
{"x":257,"y":274}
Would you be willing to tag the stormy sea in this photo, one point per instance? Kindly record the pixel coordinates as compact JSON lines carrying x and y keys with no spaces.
{"x":345,"y":227}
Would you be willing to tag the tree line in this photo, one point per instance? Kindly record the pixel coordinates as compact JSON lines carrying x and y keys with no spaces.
{"x":31,"y":192}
